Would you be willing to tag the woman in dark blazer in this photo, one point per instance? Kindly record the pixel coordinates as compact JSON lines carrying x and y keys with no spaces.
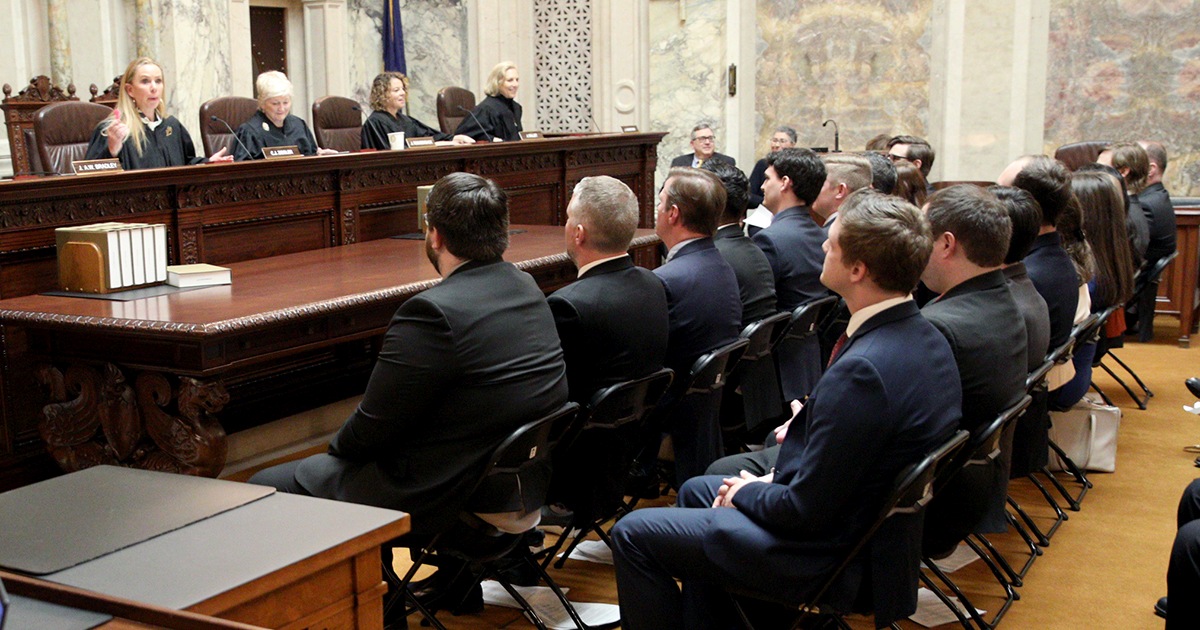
{"x":389,"y":93}
{"x":498,"y":115}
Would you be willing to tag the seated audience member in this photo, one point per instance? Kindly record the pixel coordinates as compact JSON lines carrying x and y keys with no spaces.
{"x":1029,"y":445}
{"x":883,"y":172}
{"x":1156,"y":202}
{"x":1099,"y":197}
{"x":612,"y":322}
{"x":497,"y":117}
{"x":1183,"y":571}
{"x":704,"y":148}
{"x":915,"y":150}
{"x":139,"y":132}
{"x":1048,"y":265}
{"x":792,"y":244}
{"x":889,"y":397}
{"x":911,"y":185}
{"x":1155,"y":199}
{"x":475,"y":356}
{"x":389,"y":93}
{"x":986,"y":330}
{"x":844,"y":174}
{"x":878,"y":143}
{"x":273,"y":125}
{"x":1131,"y":161}
{"x":783,"y":138}
{"x":703,"y":304}
{"x":756,"y":282}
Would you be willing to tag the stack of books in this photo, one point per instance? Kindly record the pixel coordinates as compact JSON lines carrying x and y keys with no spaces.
{"x":106,"y":257}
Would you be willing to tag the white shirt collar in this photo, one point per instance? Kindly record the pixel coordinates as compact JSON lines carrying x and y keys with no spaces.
{"x":588,"y":267}
{"x":867,"y":312}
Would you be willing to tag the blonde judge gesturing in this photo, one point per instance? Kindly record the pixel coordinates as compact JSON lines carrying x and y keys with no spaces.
{"x":139,"y":132}
{"x":273,"y":125}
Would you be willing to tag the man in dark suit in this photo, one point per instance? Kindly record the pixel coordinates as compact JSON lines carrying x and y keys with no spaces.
{"x":986,"y":330}
{"x":1157,"y":202}
{"x":704,"y":306}
{"x":612,"y":322}
{"x":760,"y":398}
{"x":1048,"y":264}
{"x":1031,"y":434}
{"x":792,"y":244}
{"x":462,"y":365}
{"x":890,"y":396}
{"x":844,"y":174}
{"x":704,"y":148}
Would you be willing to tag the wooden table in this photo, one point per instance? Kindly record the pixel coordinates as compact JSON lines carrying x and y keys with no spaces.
{"x":1179,"y":288}
{"x":158,"y":382}
{"x":283,"y":561}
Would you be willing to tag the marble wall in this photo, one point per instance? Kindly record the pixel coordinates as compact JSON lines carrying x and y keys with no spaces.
{"x":435,"y":48}
{"x":863,"y":63}
{"x":687,"y":73}
{"x":1128,"y":69}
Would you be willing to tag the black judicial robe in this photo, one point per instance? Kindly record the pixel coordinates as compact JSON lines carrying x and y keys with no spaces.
{"x":169,"y":144}
{"x":380,"y":123}
{"x":499,"y":116}
{"x":260,"y":132}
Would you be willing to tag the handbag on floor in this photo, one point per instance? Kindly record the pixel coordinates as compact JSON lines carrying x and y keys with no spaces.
{"x":1087,"y":433}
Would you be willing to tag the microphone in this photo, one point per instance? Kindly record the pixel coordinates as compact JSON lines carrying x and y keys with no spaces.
{"x":836,"y":133}
{"x":593,"y":121}
{"x":472,"y":115}
{"x":235,"y":136}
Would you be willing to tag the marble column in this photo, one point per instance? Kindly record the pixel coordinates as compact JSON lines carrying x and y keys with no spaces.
{"x":987,"y":85}
{"x":60,"y":43}
{"x":146,"y":28}
{"x":325,"y":48}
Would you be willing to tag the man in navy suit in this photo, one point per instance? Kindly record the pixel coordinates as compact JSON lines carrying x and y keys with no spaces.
{"x":613,"y":325}
{"x":792,"y":244}
{"x":890,"y":396}
{"x":704,"y":148}
{"x":704,"y":308}
{"x":981,"y":320}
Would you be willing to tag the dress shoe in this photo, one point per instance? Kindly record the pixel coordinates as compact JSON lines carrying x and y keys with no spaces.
{"x":1193,"y":385}
{"x":460,"y":594}
{"x":1160,"y":607}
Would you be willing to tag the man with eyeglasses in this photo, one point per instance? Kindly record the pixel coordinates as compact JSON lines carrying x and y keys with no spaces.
{"x":914,"y":149}
{"x":783,"y":138}
{"x":704,"y":148}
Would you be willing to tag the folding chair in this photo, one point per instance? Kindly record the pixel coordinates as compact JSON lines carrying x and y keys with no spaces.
{"x":1144,"y":284}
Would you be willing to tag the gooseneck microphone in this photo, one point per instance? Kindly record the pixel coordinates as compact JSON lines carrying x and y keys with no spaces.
{"x":472,"y":115}
{"x":235,"y":136}
{"x":836,"y":133}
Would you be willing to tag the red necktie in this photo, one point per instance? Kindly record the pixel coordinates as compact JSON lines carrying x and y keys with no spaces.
{"x":837,"y":347}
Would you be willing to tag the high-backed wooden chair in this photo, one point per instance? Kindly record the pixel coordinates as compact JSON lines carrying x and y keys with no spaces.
{"x":234,"y":110}
{"x":337,"y":123}
{"x":1077,"y":154}
{"x":62,"y":132}
{"x":449,"y":100}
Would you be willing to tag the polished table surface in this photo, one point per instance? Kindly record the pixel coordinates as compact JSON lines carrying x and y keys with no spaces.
{"x":159,"y":382}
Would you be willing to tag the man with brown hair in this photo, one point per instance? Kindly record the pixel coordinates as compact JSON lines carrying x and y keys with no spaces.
{"x":890,"y":396}
{"x":1130,"y":159}
{"x":915,"y":150}
{"x":704,"y":148}
{"x":703,"y":304}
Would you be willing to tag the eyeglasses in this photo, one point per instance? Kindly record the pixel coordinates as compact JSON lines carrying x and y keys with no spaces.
{"x":896,"y":158}
{"x":703,"y":139}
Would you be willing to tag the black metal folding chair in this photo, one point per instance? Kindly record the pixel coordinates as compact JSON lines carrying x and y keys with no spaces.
{"x":1146,"y":284}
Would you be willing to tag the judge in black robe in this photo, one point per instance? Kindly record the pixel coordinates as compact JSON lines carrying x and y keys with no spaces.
{"x":140,"y":133}
{"x":498,"y":115}
{"x":389,"y":93}
{"x":273,"y":125}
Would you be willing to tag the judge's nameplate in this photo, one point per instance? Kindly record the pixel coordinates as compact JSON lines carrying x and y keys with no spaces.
{"x":93,"y":167}
{"x":531,"y":135}
{"x":276,"y":153}
{"x":421,"y":141}
{"x":629,"y":129}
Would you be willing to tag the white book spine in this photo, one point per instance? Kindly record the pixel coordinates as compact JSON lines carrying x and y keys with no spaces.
{"x":126,"y":248}
{"x":114,"y":261}
{"x":148,"y":252}
{"x":160,"y":253}
{"x":138,"y":257}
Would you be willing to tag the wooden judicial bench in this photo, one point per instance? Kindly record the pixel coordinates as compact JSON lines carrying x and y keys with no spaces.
{"x":289,"y":334}
{"x":1179,"y":289}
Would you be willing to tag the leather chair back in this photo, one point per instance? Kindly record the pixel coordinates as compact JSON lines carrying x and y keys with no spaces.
{"x":63,"y":131}
{"x":1077,"y":154}
{"x":234,"y":110}
{"x":337,"y":123}
{"x":35,"y":159}
{"x":449,"y":99}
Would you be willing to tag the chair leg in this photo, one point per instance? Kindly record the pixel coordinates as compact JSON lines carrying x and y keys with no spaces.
{"x":1059,"y":514}
{"x":562,"y":597}
{"x":580,"y":533}
{"x":530,"y":613}
{"x":962,"y":597}
{"x":1075,"y":471}
{"x":1103,"y":396}
{"x":1034,"y":550}
{"x":1149,"y":394}
{"x":1010,"y":593}
{"x":945,"y":599}
{"x":1141,"y":401}
{"x":1012,"y":576}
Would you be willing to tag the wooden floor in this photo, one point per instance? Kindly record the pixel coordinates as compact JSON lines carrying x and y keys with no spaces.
{"x":1107,"y":564}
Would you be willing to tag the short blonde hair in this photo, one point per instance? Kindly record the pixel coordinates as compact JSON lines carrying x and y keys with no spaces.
{"x":495,"y":78}
{"x":272,"y":84}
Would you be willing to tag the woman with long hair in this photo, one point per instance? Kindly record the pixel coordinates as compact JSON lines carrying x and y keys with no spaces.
{"x":139,"y":132}
{"x":910,"y":183}
{"x":389,"y":93}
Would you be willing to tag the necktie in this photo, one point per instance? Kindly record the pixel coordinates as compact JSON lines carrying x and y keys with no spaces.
{"x":699,"y":163}
{"x":837,"y":347}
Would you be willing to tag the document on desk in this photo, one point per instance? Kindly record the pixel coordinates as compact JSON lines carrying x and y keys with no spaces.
{"x":59,"y":523}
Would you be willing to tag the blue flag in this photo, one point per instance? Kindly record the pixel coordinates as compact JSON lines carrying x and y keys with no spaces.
{"x":393,"y":39}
